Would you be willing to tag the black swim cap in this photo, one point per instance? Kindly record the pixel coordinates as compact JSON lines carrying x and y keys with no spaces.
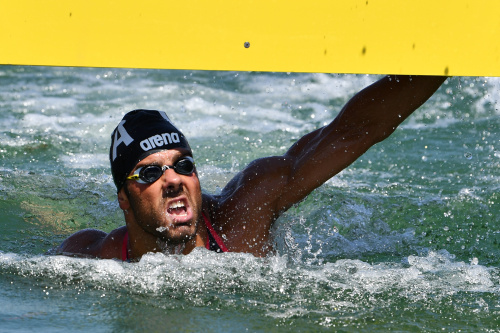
{"x":140,"y":134}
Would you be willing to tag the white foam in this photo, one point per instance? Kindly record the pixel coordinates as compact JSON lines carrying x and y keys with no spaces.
{"x":491,"y":97}
{"x":194,"y":278}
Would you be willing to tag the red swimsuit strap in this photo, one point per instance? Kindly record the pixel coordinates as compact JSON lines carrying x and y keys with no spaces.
{"x":125,"y":247}
{"x":216,"y":237}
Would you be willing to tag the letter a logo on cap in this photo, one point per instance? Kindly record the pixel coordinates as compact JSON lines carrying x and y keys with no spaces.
{"x":124,"y":137}
{"x":164,"y":115}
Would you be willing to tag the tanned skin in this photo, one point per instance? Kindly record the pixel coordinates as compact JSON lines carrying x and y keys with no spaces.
{"x":250,"y":203}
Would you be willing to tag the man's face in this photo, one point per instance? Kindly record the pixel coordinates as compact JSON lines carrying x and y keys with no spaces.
{"x":170,"y":207}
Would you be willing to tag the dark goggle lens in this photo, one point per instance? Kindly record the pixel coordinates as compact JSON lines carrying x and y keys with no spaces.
{"x":151,"y":173}
{"x":184,"y":166}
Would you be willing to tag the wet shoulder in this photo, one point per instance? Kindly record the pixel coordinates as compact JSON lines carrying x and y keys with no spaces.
{"x":85,"y":242}
{"x":111,"y":245}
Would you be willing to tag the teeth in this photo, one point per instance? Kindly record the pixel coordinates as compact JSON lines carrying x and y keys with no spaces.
{"x":177,"y":204}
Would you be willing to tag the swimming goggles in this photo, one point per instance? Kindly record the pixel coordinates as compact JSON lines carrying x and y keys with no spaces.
{"x":150,"y":173}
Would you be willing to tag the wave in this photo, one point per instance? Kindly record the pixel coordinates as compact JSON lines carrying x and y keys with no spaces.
{"x":416,"y":277}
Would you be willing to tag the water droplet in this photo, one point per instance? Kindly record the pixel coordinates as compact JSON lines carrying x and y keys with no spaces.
{"x":468,"y":155}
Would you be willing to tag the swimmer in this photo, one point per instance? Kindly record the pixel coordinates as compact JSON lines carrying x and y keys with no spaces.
{"x":159,"y":191}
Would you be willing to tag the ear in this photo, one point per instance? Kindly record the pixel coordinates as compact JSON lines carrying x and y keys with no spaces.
{"x":123,"y":199}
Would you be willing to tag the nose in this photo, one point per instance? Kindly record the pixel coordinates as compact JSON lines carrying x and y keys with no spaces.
{"x":172,"y":180}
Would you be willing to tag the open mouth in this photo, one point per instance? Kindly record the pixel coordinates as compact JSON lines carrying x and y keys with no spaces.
{"x":177,"y":208}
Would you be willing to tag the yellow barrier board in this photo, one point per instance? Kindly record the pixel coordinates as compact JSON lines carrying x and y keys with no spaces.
{"x":459,"y":37}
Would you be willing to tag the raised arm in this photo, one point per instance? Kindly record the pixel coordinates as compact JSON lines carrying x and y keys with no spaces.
{"x":269,"y":186}
{"x":368,"y":118}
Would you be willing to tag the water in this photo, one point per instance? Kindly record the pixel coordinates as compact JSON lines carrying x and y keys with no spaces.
{"x":405,"y":239}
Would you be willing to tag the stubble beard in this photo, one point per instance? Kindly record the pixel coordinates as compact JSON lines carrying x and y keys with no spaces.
{"x":166,"y":239}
